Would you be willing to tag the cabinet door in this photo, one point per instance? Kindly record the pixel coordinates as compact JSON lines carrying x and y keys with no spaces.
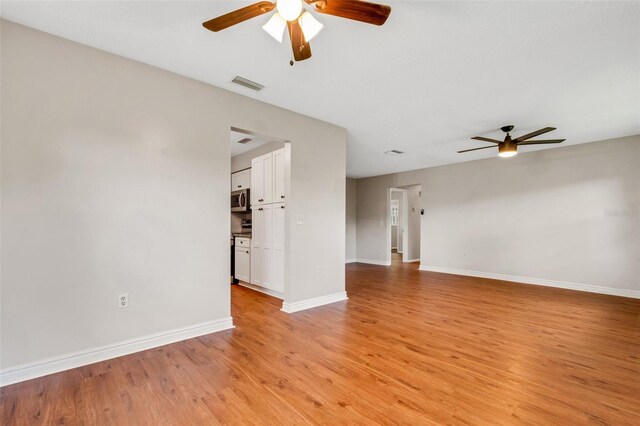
{"x":243,"y":264}
{"x":267,"y":178}
{"x":257,"y":232}
{"x":262,"y":180}
{"x":278,"y":176}
{"x":235,"y":182}
{"x":277,"y":265}
{"x":267,"y":246}
{"x":245,"y":179}
{"x":257,"y":181}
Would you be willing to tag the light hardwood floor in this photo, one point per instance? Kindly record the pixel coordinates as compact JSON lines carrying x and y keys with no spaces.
{"x":408,"y":347}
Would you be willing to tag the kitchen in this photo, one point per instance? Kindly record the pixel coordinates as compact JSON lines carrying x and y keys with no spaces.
{"x":258,"y":202}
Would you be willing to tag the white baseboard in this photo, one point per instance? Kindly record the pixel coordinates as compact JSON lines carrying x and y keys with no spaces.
{"x":45,"y":367}
{"x":313,"y":303}
{"x":374,"y":262}
{"x":266,"y":291}
{"x":351,"y":260}
{"x":411,"y":260}
{"x":536,"y":281}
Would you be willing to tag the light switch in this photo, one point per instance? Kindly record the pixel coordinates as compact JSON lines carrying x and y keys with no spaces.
{"x":300,"y":219}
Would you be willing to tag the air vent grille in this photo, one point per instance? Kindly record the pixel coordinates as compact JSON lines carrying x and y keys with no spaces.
{"x":245,"y":82}
{"x":244,"y":140}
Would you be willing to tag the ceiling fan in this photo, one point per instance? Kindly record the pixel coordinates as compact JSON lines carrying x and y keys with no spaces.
{"x":302,"y":25}
{"x":509,"y":147}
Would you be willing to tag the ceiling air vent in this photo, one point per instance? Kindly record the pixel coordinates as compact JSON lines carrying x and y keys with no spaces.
{"x":394,"y":152}
{"x":247,"y":83}
{"x":244,"y":140}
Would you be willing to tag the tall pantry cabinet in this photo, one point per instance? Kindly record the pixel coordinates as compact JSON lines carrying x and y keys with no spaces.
{"x":267,"y":213}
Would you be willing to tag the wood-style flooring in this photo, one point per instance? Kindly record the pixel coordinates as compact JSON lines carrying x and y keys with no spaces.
{"x":408,"y":347}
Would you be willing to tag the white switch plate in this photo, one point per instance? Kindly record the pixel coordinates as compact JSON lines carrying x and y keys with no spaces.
{"x":300,"y":219}
{"x":123,"y":300}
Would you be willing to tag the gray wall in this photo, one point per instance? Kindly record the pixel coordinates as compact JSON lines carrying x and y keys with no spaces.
{"x":350,"y":251}
{"x":115,"y":178}
{"x":565,"y":214}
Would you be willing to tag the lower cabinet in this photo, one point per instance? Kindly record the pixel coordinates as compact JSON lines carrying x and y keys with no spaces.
{"x":243,"y":263}
{"x":267,"y":246}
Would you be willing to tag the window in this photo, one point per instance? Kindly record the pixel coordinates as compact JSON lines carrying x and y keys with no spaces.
{"x":394,"y":212}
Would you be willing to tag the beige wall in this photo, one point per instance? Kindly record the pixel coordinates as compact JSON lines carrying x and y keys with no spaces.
{"x":350,"y":251}
{"x":568,"y":214}
{"x":115,"y":178}
{"x":243,"y":161}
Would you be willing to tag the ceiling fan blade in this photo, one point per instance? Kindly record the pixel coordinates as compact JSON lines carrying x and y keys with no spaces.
{"x":237,"y":16}
{"x":534,"y":134}
{"x":480,"y":138}
{"x":542,"y":142}
{"x":301,"y":49}
{"x":475,"y":149}
{"x":370,"y":13}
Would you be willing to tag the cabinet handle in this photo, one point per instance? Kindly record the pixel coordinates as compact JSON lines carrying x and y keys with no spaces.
{"x":239,"y":186}
{"x":247,"y":252}
{"x":261,"y":200}
{"x":282,"y":196}
{"x":282,"y":207}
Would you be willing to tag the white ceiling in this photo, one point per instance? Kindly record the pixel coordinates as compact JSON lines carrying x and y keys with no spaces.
{"x":434,"y":75}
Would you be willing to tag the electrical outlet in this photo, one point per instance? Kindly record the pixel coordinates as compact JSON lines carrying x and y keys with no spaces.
{"x":123,"y":300}
{"x":319,"y":270}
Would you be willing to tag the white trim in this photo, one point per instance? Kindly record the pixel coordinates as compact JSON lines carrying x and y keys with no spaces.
{"x":52,"y":365}
{"x":313,"y":303}
{"x":268,"y":292}
{"x":353,"y":260}
{"x":411,"y":260}
{"x":375,"y":262}
{"x":536,"y":281}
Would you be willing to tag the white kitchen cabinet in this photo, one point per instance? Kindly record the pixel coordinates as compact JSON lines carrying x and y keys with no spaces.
{"x":241,"y":180}
{"x":262,"y":245}
{"x":268,"y":178}
{"x":278,"y":176}
{"x":267,"y":247}
{"x":243,"y":264}
{"x":268,"y":212}
{"x":277,"y":261}
{"x":262,"y":180}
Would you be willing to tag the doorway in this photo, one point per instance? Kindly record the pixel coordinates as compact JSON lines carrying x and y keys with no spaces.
{"x":259,"y":194}
{"x":404,"y":217}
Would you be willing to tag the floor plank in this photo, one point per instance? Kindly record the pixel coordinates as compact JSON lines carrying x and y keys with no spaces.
{"x":408,"y":347}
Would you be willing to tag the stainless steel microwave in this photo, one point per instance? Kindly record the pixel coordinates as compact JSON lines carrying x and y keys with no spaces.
{"x":240,"y":201}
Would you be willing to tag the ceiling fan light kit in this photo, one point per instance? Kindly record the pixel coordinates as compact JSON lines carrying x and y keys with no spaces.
{"x":509,"y":147}
{"x":275,"y":27}
{"x":302,"y":25}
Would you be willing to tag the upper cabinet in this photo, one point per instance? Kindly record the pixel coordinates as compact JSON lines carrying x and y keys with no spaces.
{"x":278,"y":176}
{"x":267,"y":178}
{"x":241,"y":180}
